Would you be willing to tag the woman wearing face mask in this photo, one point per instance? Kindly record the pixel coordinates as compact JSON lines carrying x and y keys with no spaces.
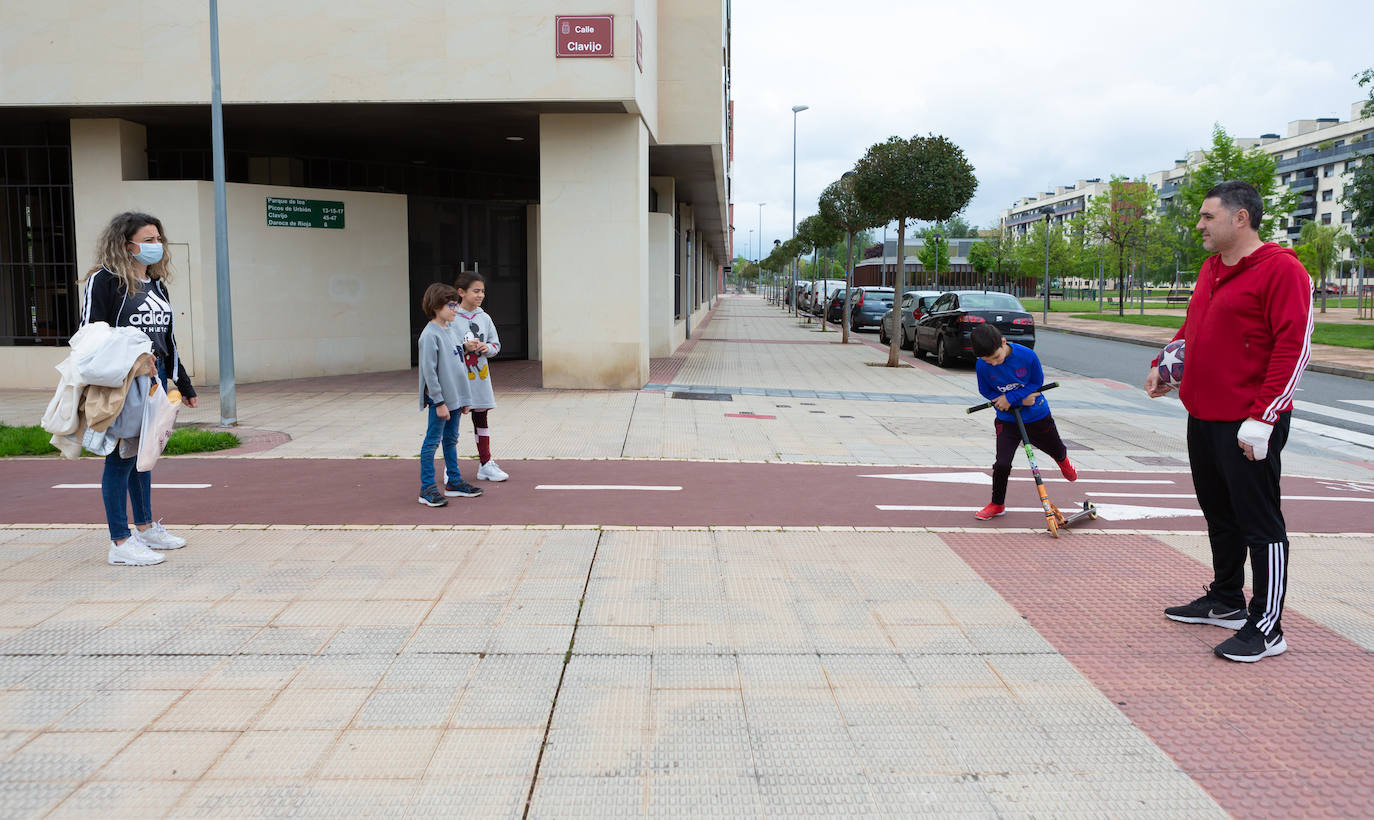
{"x":128,"y":288}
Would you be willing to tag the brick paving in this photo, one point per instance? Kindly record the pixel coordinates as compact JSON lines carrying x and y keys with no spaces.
{"x":440,"y":667}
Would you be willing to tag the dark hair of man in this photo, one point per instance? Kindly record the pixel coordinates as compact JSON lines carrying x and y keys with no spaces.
{"x":1235,"y":195}
{"x":436,"y":296}
{"x":466,"y":278}
{"x":986,"y":340}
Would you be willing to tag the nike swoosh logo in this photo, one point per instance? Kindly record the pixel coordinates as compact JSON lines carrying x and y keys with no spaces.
{"x":1212,"y":613}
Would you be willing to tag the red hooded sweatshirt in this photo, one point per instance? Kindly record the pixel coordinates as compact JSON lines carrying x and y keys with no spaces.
{"x":1249,"y":335}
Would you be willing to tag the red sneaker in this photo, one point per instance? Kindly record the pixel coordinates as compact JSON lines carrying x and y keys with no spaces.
{"x":1067,"y":469}
{"x":990,"y":511}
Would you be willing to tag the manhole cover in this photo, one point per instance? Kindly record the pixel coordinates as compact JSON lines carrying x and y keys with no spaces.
{"x":704,"y":396}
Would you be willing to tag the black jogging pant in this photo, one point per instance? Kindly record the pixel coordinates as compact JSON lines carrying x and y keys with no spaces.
{"x":1043,"y":435}
{"x":1240,"y":500}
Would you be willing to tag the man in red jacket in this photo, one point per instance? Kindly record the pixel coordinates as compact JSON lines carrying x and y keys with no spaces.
{"x":1247,"y":333}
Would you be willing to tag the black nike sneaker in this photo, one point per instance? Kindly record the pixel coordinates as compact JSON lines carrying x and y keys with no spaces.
{"x":1208,"y":610}
{"x":1250,"y":645}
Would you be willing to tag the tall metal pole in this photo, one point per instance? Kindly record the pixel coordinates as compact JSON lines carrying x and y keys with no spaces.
{"x":796,"y":109}
{"x":761,"y":204}
{"x":228,"y":399}
{"x":1045,"y":315}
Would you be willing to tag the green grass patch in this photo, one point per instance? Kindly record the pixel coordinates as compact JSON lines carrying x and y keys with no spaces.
{"x":1325,"y":333}
{"x":1149,"y":319}
{"x":33,"y":441}
{"x":189,"y":440}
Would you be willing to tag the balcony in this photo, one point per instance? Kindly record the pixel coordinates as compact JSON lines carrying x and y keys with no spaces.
{"x":1303,"y":184}
{"x":1308,"y":157}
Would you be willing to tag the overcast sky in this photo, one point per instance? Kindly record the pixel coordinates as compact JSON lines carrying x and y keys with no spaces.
{"x":1037,"y":94}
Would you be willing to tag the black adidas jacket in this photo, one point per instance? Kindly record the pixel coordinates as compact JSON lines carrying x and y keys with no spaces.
{"x":104,"y":301}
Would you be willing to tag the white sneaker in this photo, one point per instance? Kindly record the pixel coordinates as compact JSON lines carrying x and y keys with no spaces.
{"x":156,"y":537}
{"x":491,"y":472}
{"x":133,"y":552}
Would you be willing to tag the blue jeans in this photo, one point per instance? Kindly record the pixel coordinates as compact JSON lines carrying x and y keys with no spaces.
{"x":121,"y":479}
{"x":445,"y":430}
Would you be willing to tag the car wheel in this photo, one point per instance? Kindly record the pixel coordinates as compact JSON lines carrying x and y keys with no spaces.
{"x":907,"y":343}
{"x":942,"y":357}
{"x":882,"y":334}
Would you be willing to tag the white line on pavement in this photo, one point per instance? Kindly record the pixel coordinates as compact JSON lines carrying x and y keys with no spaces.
{"x":985,"y":478}
{"x":1190,"y":495}
{"x":650,"y":487}
{"x":155,"y":486}
{"x":1337,"y":433}
{"x":1335,"y":413}
{"x":1109,"y":512}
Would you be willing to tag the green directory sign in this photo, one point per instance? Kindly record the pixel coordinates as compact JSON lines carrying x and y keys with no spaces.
{"x":304,"y":213}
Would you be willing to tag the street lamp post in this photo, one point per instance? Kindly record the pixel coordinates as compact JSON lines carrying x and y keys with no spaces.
{"x":796,"y":109}
{"x":1045,"y":315}
{"x":760,"y":251}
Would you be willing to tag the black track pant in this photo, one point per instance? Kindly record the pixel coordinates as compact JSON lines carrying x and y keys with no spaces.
{"x":1240,"y":499}
{"x":1043,"y":435}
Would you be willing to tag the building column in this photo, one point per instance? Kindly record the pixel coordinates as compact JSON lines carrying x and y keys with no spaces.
{"x":594,"y":250}
{"x":661,"y":268}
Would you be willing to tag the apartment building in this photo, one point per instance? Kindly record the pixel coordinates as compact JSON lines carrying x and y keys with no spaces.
{"x":580,"y":162}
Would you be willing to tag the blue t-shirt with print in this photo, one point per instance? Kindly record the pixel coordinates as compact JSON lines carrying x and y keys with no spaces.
{"x":1016,"y":377}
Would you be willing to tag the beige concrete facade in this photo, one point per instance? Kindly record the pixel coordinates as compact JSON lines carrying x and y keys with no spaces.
{"x":598,"y":257}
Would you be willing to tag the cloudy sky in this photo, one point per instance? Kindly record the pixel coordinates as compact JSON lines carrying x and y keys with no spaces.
{"x":1037,"y":94}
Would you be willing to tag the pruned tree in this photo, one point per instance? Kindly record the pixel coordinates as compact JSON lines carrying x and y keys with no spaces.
{"x":980,"y":258}
{"x":926,"y":178}
{"x":816,"y":233}
{"x":1226,"y":161}
{"x":1123,"y":220}
{"x":839,"y":206}
{"x":1318,"y":248}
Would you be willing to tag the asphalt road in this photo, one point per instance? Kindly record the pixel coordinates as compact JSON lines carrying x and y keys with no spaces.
{"x":1126,"y":362}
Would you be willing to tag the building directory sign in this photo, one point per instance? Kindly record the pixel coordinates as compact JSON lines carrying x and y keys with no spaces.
{"x":283,"y":212}
{"x":589,"y":35}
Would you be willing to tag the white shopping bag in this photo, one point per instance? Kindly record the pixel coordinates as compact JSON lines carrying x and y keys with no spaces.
{"x":159,"y":417}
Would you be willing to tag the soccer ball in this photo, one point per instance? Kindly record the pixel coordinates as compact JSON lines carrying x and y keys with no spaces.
{"x":1171,"y":362}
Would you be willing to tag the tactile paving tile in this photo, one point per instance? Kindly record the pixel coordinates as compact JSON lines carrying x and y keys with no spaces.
{"x":30,"y":799}
{"x":516,"y":638}
{"x":782,"y":671}
{"x":388,"y":753}
{"x":370,"y":640}
{"x":499,"y":708}
{"x":626,"y":671}
{"x":37,"y":709}
{"x":78,"y":672}
{"x":674,"y":796}
{"x":208,"y":641}
{"x":587,"y":751}
{"x":301,"y":708}
{"x":614,"y":640}
{"x":219,"y":798}
{"x":464,"y":613}
{"x":588,"y":796}
{"x":812,"y":794}
{"x":62,"y":756}
{"x":449,"y":639}
{"x":934,"y":795}
{"x":538,"y":672}
{"x":407,"y":709}
{"x":695,"y":672}
{"x":284,"y":755}
{"x":215,"y":710}
{"x":166,"y":671}
{"x":487,"y":753}
{"x":113,"y":710}
{"x":129,"y":799}
{"x":487,"y":797}
{"x":342,"y":671}
{"x":428,"y":671}
{"x":256,"y":672}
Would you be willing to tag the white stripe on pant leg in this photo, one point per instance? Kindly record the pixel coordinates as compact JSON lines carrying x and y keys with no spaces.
{"x":1273,"y":605}
{"x":484,"y":431}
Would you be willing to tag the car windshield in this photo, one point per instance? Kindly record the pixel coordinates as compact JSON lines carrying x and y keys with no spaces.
{"x":875,"y":293}
{"x":989,"y":301}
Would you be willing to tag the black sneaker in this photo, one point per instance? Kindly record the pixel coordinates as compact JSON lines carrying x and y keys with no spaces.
{"x":461,"y":489}
{"x":1250,"y":645}
{"x":431,"y":497}
{"x":1208,"y":610}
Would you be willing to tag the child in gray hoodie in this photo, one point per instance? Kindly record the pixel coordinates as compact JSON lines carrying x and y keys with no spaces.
{"x":476,"y":334}
{"x":444,"y":392}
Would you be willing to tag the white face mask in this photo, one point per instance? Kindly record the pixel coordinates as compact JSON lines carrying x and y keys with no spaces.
{"x":149,"y":253}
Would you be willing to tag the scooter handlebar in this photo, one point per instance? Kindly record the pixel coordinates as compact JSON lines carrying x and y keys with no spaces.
{"x":985,"y":405}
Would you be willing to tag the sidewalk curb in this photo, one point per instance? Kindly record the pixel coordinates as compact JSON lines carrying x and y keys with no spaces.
{"x":1316,"y":367}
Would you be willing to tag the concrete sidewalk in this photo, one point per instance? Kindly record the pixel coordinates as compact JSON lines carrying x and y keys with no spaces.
{"x":447,"y":668}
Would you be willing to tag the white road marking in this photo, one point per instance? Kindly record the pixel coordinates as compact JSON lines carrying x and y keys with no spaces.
{"x":1190,"y":495}
{"x":1337,"y":433}
{"x":649,"y":487}
{"x":155,"y":486}
{"x":1335,"y":413}
{"x":1109,"y":512}
{"x":986,"y":479}
{"x":1359,"y":402}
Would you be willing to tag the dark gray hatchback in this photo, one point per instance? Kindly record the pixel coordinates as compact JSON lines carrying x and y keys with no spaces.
{"x":870,"y":303}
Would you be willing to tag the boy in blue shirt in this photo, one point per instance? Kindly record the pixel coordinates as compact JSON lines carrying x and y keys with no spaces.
{"x":1010,"y":374}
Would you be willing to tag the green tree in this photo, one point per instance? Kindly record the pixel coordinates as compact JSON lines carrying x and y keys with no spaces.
{"x":1225,"y":161}
{"x":1001,"y":248}
{"x":1029,"y":253}
{"x":956,"y":227}
{"x":980,"y":258}
{"x":816,"y":233}
{"x":839,"y":207}
{"x":1318,"y":248}
{"x":1123,"y":220}
{"x":1359,"y":191}
{"x":934,"y":256}
{"x":925,"y":178}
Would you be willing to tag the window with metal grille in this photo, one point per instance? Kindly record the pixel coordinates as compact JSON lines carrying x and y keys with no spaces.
{"x":38,"y":292}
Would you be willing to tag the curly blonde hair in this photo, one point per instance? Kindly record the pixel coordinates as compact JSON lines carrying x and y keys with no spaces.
{"x":112,"y":254}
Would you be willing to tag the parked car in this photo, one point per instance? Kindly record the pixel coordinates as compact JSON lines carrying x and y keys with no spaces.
{"x":868,"y":306}
{"x":835,"y":309}
{"x":915,"y":304}
{"x":944,"y":330}
{"x":821,"y":291}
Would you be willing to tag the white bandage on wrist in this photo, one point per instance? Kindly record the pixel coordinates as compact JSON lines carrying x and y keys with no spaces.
{"x":1256,"y":434}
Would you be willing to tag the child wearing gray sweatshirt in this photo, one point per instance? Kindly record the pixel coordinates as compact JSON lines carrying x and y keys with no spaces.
{"x":444,"y":392}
